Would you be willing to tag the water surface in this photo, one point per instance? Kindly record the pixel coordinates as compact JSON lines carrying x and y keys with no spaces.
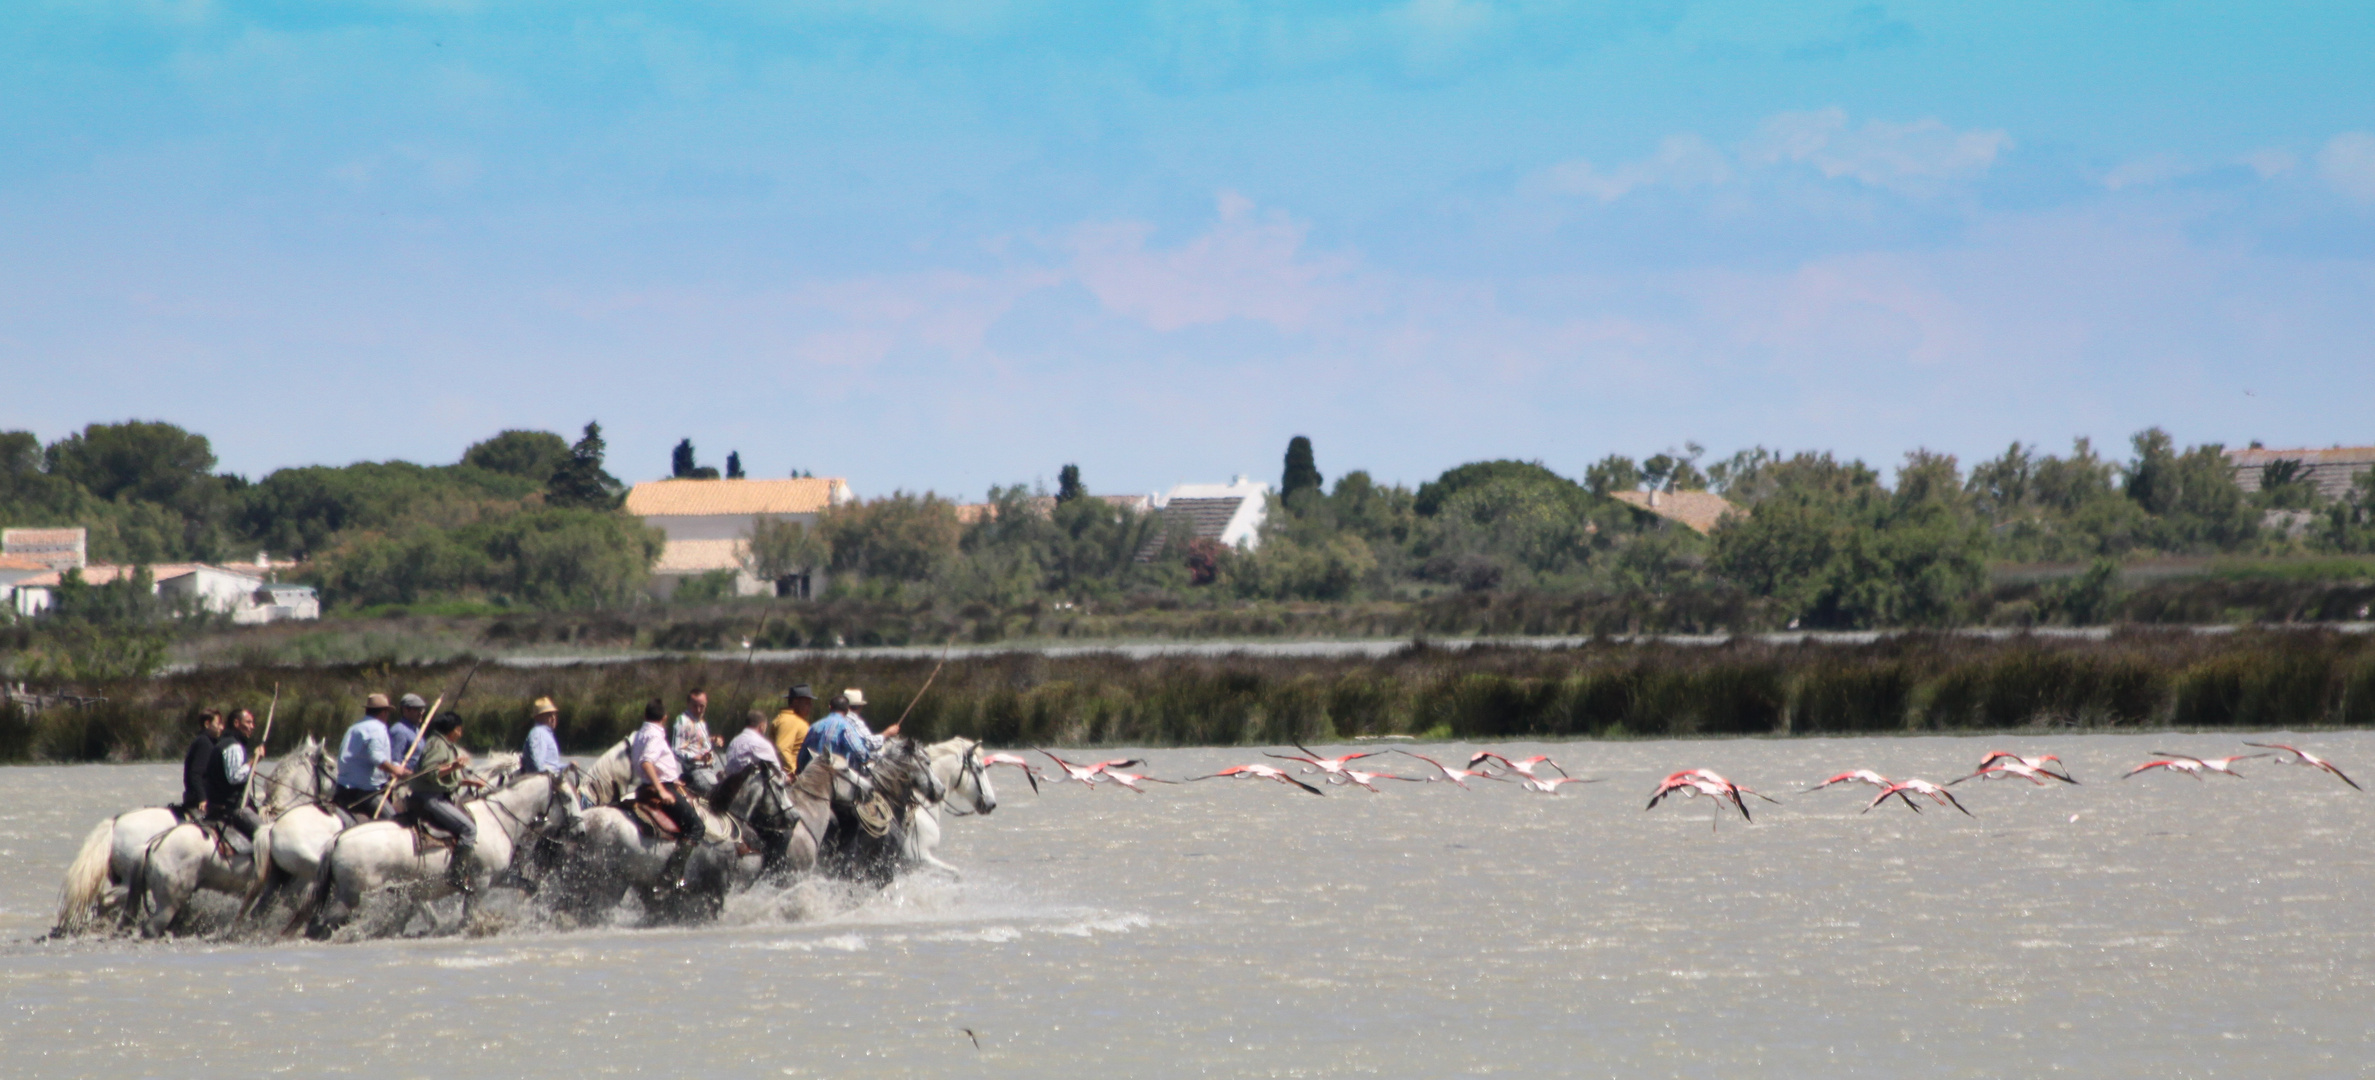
{"x":2154,"y":927}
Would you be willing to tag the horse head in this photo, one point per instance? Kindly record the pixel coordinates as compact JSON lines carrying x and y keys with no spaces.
{"x":956,"y":764}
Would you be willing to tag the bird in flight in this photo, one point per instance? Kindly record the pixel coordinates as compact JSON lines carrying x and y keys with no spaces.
{"x":2003,"y":769}
{"x":1369,"y":780}
{"x":1852,"y":776}
{"x":2304,"y":757}
{"x":1257,"y":769}
{"x":1937,"y":794}
{"x":1549,"y":785}
{"x":1018,"y":761}
{"x":1132,"y":780}
{"x":1332,"y":766}
{"x":1696,"y":782}
{"x":2036,"y":763}
{"x":1522,"y":765}
{"x":1087,"y":774}
{"x":1457,"y":776}
{"x":2195,"y":766}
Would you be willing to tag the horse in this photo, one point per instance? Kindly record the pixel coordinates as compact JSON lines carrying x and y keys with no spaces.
{"x":106,"y":878}
{"x":302,"y":833}
{"x":525,"y":811}
{"x":868,"y":842}
{"x":956,"y":764}
{"x":611,"y":777}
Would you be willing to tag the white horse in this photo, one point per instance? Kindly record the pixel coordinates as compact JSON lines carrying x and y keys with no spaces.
{"x":378,"y":857}
{"x":115,"y":856}
{"x":302,"y":833}
{"x":966,"y":788}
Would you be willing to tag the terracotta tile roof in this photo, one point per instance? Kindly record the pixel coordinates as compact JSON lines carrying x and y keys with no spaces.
{"x":20,"y":562}
{"x":699,"y":556}
{"x":737,"y":498}
{"x":1699,"y":510}
{"x":102,"y":573}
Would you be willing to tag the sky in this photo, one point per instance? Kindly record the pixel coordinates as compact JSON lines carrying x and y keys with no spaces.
{"x":948,"y":245}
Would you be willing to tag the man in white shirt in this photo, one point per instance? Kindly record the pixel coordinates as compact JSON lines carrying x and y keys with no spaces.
{"x":696,"y":748}
{"x":542,"y":752}
{"x":660,"y":784}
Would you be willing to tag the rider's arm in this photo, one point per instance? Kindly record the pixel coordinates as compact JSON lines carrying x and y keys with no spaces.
{"x":651,"y":775}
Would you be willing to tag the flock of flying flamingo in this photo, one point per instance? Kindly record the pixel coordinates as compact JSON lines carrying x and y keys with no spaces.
{"x":1529,"y":773}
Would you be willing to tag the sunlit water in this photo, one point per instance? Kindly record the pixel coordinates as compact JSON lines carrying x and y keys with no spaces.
{"x":2154,"y":927}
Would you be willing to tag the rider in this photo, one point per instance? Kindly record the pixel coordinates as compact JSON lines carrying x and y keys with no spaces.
{"x":407,"y":728}
{"x":435,"y":783}
{"x":791,"y":725}
{"x":542,"y":752}
{"x":658,"y":775}
{"x":194,"y":763}
{"x":364,"y":764}
{"x":226,"y":777}
{"x":844,"y":732}
{"x":696,"y":748}
{"x":750,"y":748}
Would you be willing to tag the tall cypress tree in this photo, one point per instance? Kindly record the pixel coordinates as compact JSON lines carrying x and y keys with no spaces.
{"x":1302,"y":472}
{"x":680,"y":464}
{"x":580,"y":481}
{"x":733,"y":464}
{"x":1068,"y":485}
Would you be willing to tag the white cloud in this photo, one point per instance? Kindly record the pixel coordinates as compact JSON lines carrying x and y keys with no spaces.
{"x":2146,"y":172}
{"x":1247,"y":266}
{"x":2348,"y":164}
{"x":1682,"y":161}
{"x":2271,"y":163}
{"x":1907,"y":157}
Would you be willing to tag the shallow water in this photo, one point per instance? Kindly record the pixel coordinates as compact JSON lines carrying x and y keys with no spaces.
{"x":1241,"y":928}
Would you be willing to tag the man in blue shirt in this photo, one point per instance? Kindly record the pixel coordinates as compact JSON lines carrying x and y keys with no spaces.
{"x":407,"y":728}
{"x":542,"y":752}
{"x":844,"y":732}
{"x":364,"y":764}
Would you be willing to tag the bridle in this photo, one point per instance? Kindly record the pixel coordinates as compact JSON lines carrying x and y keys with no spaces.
{"x":970,"y":767}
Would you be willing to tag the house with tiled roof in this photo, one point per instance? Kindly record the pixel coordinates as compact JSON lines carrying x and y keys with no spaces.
{"x":1695,"y":510}
{"x":708,"y":525}
{"x":1230,"y":514}
{"x":2333,"y":469}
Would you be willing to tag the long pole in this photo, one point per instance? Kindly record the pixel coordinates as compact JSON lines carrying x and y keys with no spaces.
{"x":262,"y":745}
{"x":919,"y":694}
{"x":422,"y":735}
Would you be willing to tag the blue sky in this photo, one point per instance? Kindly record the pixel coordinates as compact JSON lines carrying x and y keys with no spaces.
{"x":929,"y":245}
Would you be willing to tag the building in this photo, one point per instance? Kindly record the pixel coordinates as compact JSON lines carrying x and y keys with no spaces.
{"x":2333,"y":470}
{"x":1045,"y":505}
{"x":1230,"y":513}
{"x":54,"y":549}
{"x":1697,"y":510}
{"x":239,"y":591}
{"x":708,"y":524}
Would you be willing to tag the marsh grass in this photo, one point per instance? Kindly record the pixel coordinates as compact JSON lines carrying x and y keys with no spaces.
{"x":2257,"y":679}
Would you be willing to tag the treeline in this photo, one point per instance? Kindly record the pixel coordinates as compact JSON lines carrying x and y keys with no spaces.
{"x":526,"y":521}
{"x":2259,"y":680}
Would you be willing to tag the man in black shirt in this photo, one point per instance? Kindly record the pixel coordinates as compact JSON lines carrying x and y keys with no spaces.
{"x":194,"y":762}
{"x":226,"y":777}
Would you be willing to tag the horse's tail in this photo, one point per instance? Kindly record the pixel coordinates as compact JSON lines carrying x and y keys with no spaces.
{"x":261,"y":888}
{"x":318,"y":890}
{"x":86,"y":880}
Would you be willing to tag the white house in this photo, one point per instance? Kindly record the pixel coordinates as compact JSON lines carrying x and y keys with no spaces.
{"x":237,"y":591}
{"x":708,"y":523}
{"x":1231,"y":513}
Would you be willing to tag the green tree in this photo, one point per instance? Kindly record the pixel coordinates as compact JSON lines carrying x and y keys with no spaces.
{"x":734,"y":465}
{"x":1611,"y":474}
{"x":779,"y":549}
{"x":1302,"y":471}
{"x":1068,"y":485}
{"x":531,"y":455}
{"x":900,"y":538}
{"x":579,"y":483}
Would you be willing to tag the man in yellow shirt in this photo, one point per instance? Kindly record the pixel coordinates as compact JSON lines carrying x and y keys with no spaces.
{"x":791,"y":725}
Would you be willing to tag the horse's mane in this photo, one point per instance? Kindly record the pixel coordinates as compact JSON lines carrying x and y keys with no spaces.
{"x":897,"y":783}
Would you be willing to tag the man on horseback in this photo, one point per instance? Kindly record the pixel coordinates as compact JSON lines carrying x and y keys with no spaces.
{"x":407,"y":728}
{"x":364,"y":763}
{"x":194,"y":763}
{"x":435,"y":783}
{"x":696,"y":748}
{"x":791,"y":725}
{"x":226,"y":778}
{"x":542,"y":752}
{"x":660,"y":785}
{"x":844,"y":732}
{"x":749,"y":750}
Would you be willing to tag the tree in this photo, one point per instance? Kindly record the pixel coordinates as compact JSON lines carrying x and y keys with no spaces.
{"x":899,"y":538}
{"x":733,"y":464}
{"x":680,"y":463}
{"x":532,"y":455}
{"x":144,"y":460}
{"x":1613,"y":473}
{"x":1068,"y":486}
{"x":1302,"y":471}
{"x":579,"y":482}
{"x":780,"y":549}
{"x":1433,"y":494}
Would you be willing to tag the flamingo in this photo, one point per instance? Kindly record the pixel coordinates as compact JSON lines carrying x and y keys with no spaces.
{"x":2037,"y":763}
{"x":1549,"y":785}
{"x":1937,"y":794}
{"x":1087,"y":774}
{"x":1523,"y":765}
{"x":1132,"y":780}
{"x":1852,"y":776}
{"x":1457,"y":776}
{"x":2003,"y":769}
{"x":1332,"y":766}
{"x":2217,"y":765}
{"x":1257,"y":769}
{"x":1696,"y":782}
{"x":1367,"y":779}
{"x":2304,"y":757}
{"x":1017,"y":761}
{"x":2188,"y":766}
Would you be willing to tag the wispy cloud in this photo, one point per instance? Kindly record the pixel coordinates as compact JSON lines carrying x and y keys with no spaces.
{"x":1913,"y":158}
{"x":2348,"y":164}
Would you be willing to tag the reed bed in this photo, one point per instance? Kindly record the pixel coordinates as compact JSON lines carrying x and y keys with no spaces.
{"x":2249,"y":679}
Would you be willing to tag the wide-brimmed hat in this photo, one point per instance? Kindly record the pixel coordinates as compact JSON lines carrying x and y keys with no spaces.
{"x":857,"y":697}
{"x":801,"y":691}
{"x":375,"y":701}
{"x":412,"y":701}
{"x":543,"y":706}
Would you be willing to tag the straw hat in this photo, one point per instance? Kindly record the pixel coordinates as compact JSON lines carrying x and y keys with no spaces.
{"x":857,"y":697}
{"x":544,"y":706}
{"x":375,"y":701}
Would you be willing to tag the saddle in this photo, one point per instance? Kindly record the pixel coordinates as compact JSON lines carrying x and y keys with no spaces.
{"x":426,"y":837}
{"x":651,"y":818}
{"x":227,"y":842}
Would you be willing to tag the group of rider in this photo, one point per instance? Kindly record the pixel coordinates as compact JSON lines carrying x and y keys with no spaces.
{"x":386,"y":766}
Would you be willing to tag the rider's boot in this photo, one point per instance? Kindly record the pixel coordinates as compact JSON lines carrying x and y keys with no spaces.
{"x":672,"y":875}
{"x":457,"y":870}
